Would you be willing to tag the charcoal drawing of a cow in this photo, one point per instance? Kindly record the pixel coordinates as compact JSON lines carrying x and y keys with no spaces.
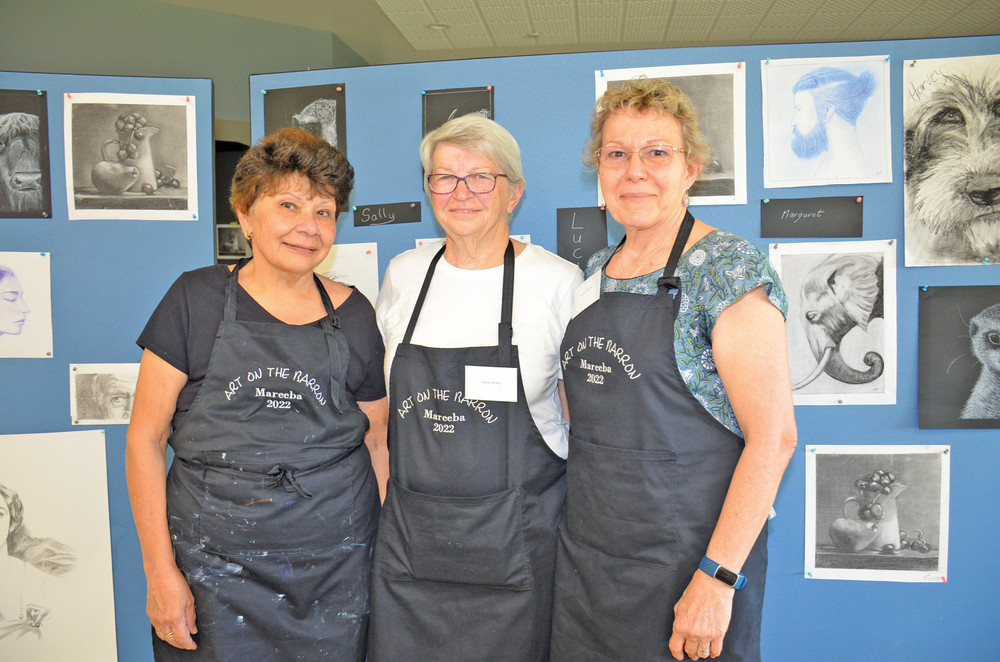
{"x":20,"y":171}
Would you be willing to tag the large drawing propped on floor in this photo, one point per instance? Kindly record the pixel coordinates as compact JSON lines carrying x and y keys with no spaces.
{"x":56,"y":591}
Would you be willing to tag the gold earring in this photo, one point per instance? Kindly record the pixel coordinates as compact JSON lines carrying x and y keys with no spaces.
{"x":249,"y":236}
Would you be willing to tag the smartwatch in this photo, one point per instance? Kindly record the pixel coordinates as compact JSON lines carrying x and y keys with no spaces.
{"x":724,"y":575}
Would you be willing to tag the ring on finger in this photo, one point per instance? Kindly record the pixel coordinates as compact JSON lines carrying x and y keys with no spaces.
{"x":704,"y":651}
{"x":164,"y":635}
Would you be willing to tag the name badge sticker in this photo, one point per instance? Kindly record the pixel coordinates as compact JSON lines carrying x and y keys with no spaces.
{"x":588,"y":292}
{"x":489,"y":383}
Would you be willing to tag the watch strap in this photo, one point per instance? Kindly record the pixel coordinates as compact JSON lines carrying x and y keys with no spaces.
{"x":724,"y":575}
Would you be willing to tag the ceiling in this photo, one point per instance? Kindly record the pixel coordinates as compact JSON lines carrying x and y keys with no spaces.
{"x":393,"y":31}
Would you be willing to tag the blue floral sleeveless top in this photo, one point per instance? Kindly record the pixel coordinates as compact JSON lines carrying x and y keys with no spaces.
{"x":717,"y":271}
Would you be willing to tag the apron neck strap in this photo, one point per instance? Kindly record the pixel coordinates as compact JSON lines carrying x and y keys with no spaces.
{"x":667,"y":279}
{"x":505,"y":330}
{"x":229,"y":314}
{"x":420,"y":297}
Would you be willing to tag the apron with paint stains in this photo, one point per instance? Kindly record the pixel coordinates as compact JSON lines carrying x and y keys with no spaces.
{"x":647,"y":474}
{"x":271,"y":500}
{"x":466,"y":547}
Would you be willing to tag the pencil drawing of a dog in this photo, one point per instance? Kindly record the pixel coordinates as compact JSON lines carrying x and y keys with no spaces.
{"x":952,"y":174}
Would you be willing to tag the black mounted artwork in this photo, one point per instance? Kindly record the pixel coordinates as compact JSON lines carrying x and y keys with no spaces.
{"x":581,"y":232}
{"x":812,"y":217}
{"x":319,"y":109}
{"x":442,"y":105}
{"x":959,"y":357}
{"x":24,"y":155}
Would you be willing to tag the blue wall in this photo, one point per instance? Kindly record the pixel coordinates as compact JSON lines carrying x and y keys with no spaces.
{"x":545,"y":101}
{"x":107,"y":276}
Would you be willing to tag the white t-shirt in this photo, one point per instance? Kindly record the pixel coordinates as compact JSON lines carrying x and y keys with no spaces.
{"x":462,"y":309}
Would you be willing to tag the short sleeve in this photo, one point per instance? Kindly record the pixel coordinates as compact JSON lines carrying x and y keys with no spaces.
{"x":366,"y":347}
{"x":726,"y":271}
{"x":166,"y":332}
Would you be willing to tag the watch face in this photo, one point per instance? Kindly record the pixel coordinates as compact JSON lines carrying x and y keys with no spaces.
{"x":726,"y":576}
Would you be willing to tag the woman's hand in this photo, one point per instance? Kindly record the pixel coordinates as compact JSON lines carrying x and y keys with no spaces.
{"x":170,"y":606}
{"x":701,"y":618}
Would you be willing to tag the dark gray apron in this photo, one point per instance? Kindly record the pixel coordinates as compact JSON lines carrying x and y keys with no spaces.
{"x":466,"y":546}
{"x":271,"y":500}
{"x":647,"y":474}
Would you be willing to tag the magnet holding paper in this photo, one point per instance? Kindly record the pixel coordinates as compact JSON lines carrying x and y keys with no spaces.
{"x":263,"y":91}
{"x":412,"y":205}
{"x":923,"y":288}
{"x":767,"y":200}
{"x":859,"y":199}
{"x":40,"y":93}
{"x":489,"y":88}
{"x":340,"y":89}
{"x":888,"y":57}
{"x":602,"y":73}
{"x":354,"y":208}
{"x":739,"y":65}
{"x":603,"y":208}
{"x":423,"y":92}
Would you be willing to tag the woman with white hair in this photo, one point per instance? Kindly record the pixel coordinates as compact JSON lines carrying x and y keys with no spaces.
{"x":466,"y":546}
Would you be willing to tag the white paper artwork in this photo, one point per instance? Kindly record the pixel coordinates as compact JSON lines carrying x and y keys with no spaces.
{"x":718,"y":91}
{"x":877,"y":513}
{"x":841,"y":320}
{"x":353,"y":264}
{"x":826,"y":121}
{"x":131,"y":157}
{"x":102,"y":393}
{"x":25,"y":306}
{"x":951,"y":148}
{"x":56,"y":590}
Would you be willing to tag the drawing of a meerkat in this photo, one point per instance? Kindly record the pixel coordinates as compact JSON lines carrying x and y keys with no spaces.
{"x":984,"y":329}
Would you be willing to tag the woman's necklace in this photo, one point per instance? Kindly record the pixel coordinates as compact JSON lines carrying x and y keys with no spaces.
{"x":649,"y":256}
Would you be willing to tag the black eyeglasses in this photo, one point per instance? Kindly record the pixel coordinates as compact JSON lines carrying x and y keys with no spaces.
{"x":476,"y":182}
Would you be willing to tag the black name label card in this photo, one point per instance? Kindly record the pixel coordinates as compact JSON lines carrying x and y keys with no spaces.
{"x":812,"y":217}
{"x":580,"y":232}
{"x":390,"y":214}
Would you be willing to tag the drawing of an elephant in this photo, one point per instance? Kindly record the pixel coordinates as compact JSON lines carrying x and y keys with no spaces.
{"x":840,"y":293}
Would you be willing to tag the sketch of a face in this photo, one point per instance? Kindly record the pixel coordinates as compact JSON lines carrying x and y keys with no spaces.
{"x":4,"y":522}
{"x":113,"y":396}
{"x":809,"y":138}
{"x":13,"y":310}
{"x":827,"y":102}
